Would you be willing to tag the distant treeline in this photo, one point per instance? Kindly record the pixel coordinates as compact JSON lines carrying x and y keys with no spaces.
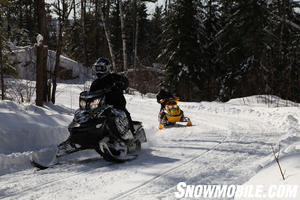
{"x":209,"y":50}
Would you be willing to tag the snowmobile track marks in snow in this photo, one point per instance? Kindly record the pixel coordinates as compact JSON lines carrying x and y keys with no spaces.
{"x":125,"y":194}
{"x":17,"y":195}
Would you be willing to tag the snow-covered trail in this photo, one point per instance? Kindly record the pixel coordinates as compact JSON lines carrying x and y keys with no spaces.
{"x":226,"y":145}
{"x":218,"y":149}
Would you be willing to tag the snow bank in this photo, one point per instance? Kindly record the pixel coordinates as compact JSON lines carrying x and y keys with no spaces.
{"x":27,"y":128}
{"x":263,"y":101}
{"x":286,"y":116}
{"x":24,"y":59}
{"x":270,"y":176}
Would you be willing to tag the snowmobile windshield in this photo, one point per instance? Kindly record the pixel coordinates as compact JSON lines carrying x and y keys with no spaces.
{"x":91,"y":100}
{"x":91,"y":105}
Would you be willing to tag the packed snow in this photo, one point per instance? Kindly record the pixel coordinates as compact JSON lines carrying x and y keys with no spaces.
{"x":229,"y":143}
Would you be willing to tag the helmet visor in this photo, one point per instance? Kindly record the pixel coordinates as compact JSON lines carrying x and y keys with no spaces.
{"x":101,"y":68}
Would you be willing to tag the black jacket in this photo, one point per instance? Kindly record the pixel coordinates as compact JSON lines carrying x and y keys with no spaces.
{"x":117,"y":83}
{"x":163,"y":95}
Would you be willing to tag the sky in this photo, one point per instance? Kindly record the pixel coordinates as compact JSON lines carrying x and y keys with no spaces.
{"x":151,"y":6}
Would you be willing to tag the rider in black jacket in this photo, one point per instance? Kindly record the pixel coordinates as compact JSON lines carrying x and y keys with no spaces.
{"x":115,"y":83}
{"x":163,"y":94}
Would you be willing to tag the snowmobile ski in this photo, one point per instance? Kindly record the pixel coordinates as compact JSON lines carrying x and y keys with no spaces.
{"x":34,"y":161}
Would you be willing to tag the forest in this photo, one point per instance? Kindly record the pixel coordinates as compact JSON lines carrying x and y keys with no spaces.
{"x":204,"y":50}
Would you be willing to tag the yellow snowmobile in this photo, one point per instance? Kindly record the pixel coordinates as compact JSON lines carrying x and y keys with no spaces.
{"x":171,"y":113}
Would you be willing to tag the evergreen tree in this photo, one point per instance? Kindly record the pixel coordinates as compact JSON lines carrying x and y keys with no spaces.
{"x":21,"y":17}
{"x":144,"y":35}
{"x":209,"y":20}
{"x":244,"y":42}
{"x":181,"y":51}
{"x":283,"y":52}
{"x":156,"y":33}
{"x":73,"y":48}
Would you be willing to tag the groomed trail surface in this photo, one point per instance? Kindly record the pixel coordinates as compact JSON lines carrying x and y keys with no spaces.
{"x":227,"y":144}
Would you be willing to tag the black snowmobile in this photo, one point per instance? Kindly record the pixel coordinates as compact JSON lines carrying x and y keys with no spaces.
{"x":101,"y":127}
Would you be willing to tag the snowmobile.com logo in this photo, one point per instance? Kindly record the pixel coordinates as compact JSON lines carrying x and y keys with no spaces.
{"x":236,"y":191}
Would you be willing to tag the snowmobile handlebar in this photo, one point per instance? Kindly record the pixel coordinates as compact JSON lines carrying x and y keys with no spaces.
{"x":94,"y":93}
{"x":91,"y":94}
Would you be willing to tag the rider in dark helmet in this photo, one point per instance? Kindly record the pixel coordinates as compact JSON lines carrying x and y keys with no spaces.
{"x":163,"y":94}
{"x":113,"y":81}
{"x":106,"y":80}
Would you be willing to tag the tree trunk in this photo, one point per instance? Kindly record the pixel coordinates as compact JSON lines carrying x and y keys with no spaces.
{"x":97,"y":39}
{"x":136,"y":42}
{"x":135,"y":34}
{"x":45,"y":75}
{"x":8,"y":18}
{"x":43,"y":31}
{"x":42,"y":27}
{"x":57,"y":61}
{"x":85,"y":51}
{"x":41,"y":63}
{"x":125,"y":67}
{"x":166,"y":6}
{"x":83,"y":13}
{"x":39,"y":75}
{"x":107,"y":35}
{"x":74,"y":11}
{"x":2,"y":66}
{"x":61,"y":21}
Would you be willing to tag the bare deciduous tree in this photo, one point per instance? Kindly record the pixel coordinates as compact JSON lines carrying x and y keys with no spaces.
{"x":83,"y":26}
{"x":1,"y":66}
{"x":125,"y":65}
{"x":135,"y":35}
{"x":63,"y":13}
{"x":1,"y":59}
{"x":104,"y":17}
{"x":20,"y":90}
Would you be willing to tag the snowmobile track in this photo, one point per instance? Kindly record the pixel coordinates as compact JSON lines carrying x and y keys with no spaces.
{"x":135,"y":189}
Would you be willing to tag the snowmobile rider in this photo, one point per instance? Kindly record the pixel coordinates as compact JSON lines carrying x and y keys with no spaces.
{"x":113,"y":81}
{"x":163,"y":94}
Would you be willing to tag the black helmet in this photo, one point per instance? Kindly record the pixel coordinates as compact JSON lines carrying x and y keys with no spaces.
{"x":101,"y":67}
{"x":162,"y":86}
